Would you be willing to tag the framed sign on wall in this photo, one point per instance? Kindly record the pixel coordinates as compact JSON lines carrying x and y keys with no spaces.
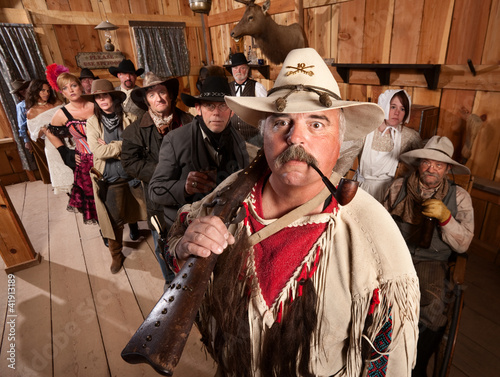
{"x":98,"y":60}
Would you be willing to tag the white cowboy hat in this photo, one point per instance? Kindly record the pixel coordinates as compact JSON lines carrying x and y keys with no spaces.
{"x":305,"y":84}
{"x":438,"y":148}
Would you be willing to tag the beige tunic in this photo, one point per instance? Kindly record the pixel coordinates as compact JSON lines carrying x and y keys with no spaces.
{"x":362,"y":249}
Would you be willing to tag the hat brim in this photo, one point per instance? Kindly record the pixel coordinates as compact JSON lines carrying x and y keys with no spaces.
{"x":412,"y":158}
{"x":116,"y":93}
{"x":24,"y":86}
{"x":361,"y":117}
{"x":229,"y":67}
{"x":191,"y":101}
{"x":137,"y":94}
{"x":115,"y":71}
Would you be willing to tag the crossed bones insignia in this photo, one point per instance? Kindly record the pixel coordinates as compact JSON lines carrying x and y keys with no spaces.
{"x":301,"y":67}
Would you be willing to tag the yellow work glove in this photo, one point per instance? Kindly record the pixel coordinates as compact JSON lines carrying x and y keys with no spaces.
{"x":437,"y":209}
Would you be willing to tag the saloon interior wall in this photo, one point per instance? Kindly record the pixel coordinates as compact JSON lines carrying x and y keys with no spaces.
{"x":460,"y":37}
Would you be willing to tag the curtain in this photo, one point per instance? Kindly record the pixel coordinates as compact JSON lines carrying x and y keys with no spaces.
{"x":161,"y":47}
{"x":20,"y":58}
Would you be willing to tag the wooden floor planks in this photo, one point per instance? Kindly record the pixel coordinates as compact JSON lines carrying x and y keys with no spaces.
{"x":74,"y":317}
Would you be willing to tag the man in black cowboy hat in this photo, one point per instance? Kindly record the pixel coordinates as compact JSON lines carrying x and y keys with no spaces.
{"x":19,"y":89}
{"x":243,"y":86}
{"x":196,"y":158}
{"x":428,"y":194}
{"x":143,"y":138}
{"x":86,"y":78}
{"x":127,"y":74}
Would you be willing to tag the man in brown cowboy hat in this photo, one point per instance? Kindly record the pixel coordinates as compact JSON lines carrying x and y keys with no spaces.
{"x":427,"y":194}
{"x":143,"y":138}
{"x":127,"y":74}
{"x":244,"y":86}
{"x":86,"y":78}
{"x":19,"y":89}
{"x":310,"y":287}
{"x":196,"y":158}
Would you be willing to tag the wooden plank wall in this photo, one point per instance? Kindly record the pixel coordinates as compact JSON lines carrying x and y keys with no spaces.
{"x":66,"y":27}
{"x":446,"y":32}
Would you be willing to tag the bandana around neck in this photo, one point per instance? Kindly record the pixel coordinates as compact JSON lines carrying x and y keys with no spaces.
{"x":110,"y":121}
{"x":161,"y":123}
{"x":410,"y":208}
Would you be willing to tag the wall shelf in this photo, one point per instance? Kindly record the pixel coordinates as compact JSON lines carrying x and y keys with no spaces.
{"x":383,"y":71}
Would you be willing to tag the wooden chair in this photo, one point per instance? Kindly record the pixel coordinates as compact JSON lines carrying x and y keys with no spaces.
{"x":457,"y":265}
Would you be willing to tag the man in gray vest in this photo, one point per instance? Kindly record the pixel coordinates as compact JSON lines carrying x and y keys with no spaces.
{"x":243,"y":86}
{"x":127,"y":74}
{"x":424,"y":198}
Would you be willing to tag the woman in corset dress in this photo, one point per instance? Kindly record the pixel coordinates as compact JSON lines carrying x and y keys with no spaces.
{"x":383,"y":146}
{"x":74,"y":117}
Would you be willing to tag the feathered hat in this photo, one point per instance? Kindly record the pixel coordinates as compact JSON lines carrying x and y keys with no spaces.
{"x":52,"y":72}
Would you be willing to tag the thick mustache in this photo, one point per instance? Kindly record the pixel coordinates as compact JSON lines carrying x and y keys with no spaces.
{"x":431,"y":174}
{"x":295,"y":153}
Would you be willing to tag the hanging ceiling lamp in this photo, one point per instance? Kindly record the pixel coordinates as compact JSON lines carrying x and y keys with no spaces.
{"x":106,"y":26}
{"x":200,"y":6}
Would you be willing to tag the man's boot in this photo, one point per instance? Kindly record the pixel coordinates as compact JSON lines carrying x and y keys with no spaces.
{"x":428,"y":343}
{"x":115,"y":248}
{"x":134,"y":231}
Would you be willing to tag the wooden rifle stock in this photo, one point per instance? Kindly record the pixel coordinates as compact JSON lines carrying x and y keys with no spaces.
{"x":161,"y":338}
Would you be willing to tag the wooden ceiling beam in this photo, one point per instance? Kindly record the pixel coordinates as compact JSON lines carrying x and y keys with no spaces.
{"x":54,"y":17}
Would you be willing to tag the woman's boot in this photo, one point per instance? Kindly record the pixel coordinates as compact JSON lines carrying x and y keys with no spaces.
{"x":115,"y":248}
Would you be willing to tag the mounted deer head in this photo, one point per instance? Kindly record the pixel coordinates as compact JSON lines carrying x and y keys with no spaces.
{"x":275,"y":41}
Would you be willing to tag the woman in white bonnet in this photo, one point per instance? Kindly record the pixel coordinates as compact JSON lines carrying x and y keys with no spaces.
{"x":382,"y":147}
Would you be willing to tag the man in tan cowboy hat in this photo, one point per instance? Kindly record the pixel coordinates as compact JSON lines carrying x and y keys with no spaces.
{"x":244,"y":86}
{"x":196,"y":158}
{"x":309,"y":287}
{"x":19,"y":89}
{"x":427,"y":194}
{"x":127,"y":74}
{"x":143,"y":138}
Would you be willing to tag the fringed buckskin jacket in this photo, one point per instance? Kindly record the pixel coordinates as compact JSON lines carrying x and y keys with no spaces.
{"x":367,"y":289}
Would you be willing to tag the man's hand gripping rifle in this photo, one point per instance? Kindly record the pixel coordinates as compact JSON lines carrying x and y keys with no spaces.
{"x":161,"y":338}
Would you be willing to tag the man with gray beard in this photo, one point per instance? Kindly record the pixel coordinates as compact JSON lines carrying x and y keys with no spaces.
{"x":308,"y":285}
{"x":428,"y":197}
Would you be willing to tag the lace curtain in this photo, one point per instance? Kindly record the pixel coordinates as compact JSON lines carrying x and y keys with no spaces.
{"x":20,"y":58}
{"x":161,"y":47}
